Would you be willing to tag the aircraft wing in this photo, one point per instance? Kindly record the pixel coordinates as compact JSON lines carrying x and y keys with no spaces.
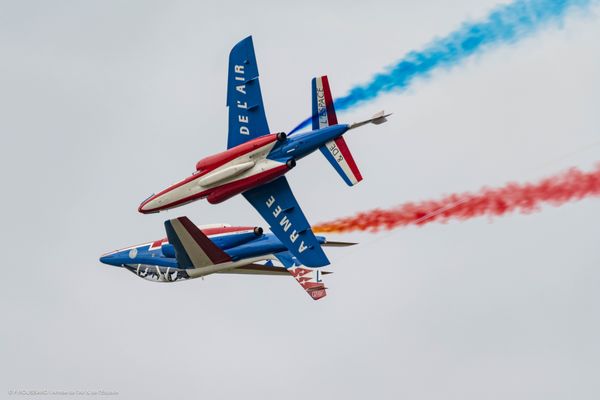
{"x":247,"y":119}
{"x":278,"y":206}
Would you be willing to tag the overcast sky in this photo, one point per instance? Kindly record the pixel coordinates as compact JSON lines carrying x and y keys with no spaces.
{"x":105,"y":102}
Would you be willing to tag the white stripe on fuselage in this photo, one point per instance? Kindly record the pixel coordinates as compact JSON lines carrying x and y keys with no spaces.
{"x":211,"y":269}
{"x":258,"y":156}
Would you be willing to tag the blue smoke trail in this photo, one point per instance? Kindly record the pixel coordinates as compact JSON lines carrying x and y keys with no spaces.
{"x":504,"y":25}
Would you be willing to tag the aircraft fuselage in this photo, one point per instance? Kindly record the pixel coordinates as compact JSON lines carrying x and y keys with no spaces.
{"x":156,"y":261}
{"x":241,"y":168}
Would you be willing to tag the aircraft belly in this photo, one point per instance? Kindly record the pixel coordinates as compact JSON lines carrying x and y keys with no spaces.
{"x":259,"y":167}
{"x":225,"y":173}
{"x":189,"y":190}
{"x":193,"y":190}
{"x":204,"y":184}
{"x":211,"y":269}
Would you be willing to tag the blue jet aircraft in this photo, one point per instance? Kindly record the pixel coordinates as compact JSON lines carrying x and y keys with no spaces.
{"x":190,"y":252}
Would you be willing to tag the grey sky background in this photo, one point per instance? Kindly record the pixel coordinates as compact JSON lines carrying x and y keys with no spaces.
{"x":105,"y":102}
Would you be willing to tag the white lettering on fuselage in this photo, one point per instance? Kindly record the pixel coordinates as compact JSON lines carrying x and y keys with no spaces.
{"x":285,"y":223}
{"x":242,"y":119}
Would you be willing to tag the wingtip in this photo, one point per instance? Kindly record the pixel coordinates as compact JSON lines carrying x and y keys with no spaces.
{"x":329,"y":243}
{"x":317,"y":292}
{"x":380,"y":117}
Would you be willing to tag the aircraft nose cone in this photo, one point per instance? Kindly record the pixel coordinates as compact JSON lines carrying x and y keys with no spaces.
{"x":144,"y":207}
{"x":109,"y":259}
{"x":141,"y":208}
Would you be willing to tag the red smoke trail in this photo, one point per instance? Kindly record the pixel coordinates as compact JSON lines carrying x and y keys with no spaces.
{"x":525,"y":198}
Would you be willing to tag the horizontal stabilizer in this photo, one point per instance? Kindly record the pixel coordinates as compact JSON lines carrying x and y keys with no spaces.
{"x":339,"y":156}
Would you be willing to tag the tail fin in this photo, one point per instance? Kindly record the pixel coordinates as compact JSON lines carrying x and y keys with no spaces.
{"x":323,"y":110}
{"x":336,"y":151}
{"x":193,"y":249}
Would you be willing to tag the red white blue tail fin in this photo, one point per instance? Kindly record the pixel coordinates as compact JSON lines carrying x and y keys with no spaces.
{"x":336,"y":151}
{"x":323,"y":110}
{"x":193,"y":249}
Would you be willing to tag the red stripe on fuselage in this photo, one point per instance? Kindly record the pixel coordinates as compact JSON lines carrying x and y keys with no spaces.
{"x":211,"y":162}
{"x":231,"y":189}
{"x":226,"y":229}
{"x":158,"y":243}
